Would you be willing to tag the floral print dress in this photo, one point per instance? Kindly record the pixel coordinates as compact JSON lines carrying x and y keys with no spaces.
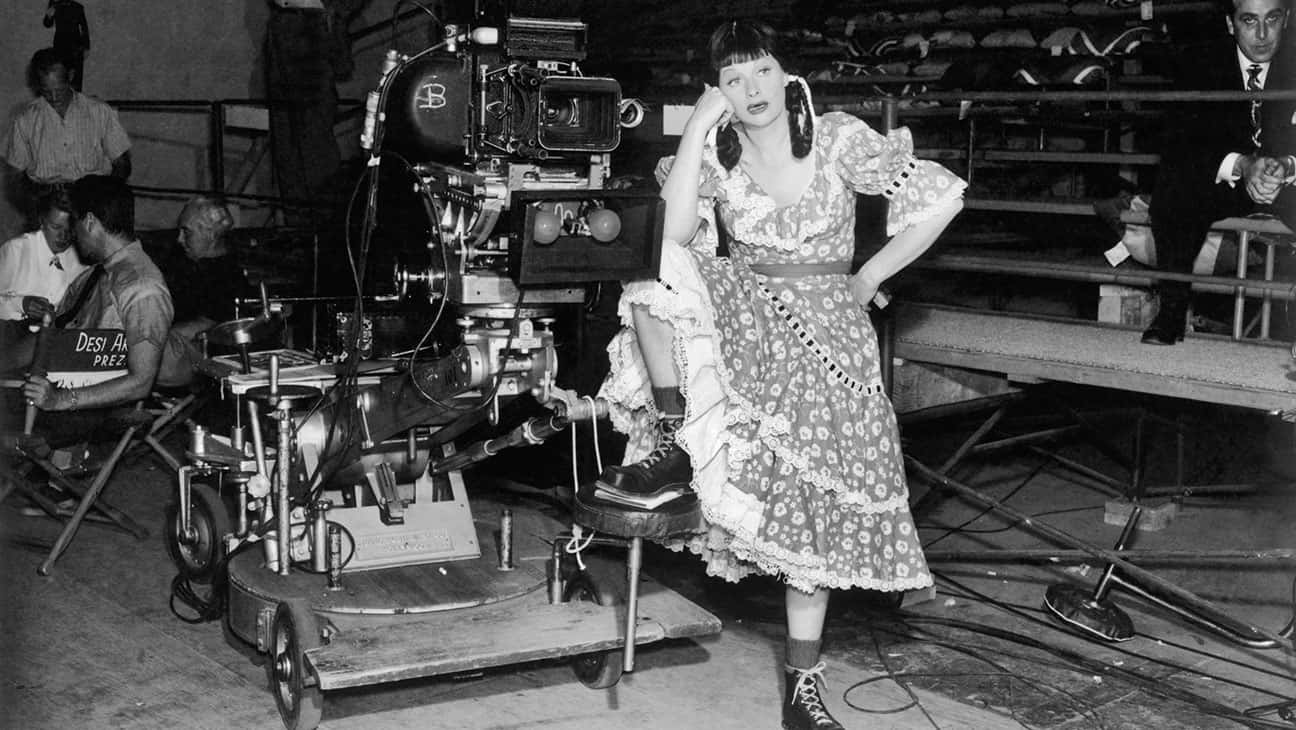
{"x":795,"y":452}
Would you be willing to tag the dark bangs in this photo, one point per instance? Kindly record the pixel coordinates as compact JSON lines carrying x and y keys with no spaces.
{"x":740,"y":41}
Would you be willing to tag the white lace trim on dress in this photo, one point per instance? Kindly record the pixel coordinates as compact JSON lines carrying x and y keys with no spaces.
{"x":940,"y":205}
{"x":740,"y":516}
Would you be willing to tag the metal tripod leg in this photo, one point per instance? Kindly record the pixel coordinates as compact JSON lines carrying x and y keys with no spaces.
{"x":1188,"y":604}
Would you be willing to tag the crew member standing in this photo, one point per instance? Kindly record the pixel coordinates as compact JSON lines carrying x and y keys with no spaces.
{"x":71,"y":35}
{"x":307,"y":53}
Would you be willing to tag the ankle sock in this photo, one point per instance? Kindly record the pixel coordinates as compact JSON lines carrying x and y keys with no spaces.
{"x":669,"y":402}
{"x":803,"y":653}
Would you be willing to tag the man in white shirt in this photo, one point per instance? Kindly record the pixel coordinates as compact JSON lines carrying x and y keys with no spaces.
{"x":62,"y":135}
{"x":43,"y":262}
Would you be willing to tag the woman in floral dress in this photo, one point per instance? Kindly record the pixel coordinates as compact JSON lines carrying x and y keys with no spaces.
{"x":755,"y":378}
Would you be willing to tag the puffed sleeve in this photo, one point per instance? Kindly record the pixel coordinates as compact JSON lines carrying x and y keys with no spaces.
{"x":708,"y":190}
{"x":872,"y":163}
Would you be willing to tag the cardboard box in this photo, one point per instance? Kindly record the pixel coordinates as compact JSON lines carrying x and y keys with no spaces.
{"x":1126,"y":305}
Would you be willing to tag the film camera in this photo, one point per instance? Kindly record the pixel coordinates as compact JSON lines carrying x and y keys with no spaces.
{"x":501,"y":215}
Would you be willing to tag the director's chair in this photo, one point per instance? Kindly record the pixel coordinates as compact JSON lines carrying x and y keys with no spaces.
{"x":35,"y":452}
{"x":76,"y":363}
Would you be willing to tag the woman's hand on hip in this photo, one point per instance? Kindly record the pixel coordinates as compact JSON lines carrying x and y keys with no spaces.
{"x":864,"y":286}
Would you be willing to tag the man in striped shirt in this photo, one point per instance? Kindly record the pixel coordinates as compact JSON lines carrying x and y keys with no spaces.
{"x":62,"y":135}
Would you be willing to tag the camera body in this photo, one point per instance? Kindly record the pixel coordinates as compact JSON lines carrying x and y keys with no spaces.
{"x":526,"y":100}
{"x":509,"y":146}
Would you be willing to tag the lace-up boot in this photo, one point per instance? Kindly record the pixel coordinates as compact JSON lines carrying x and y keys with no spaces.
{"x":803,"y":708}
{"x":666,"y":465}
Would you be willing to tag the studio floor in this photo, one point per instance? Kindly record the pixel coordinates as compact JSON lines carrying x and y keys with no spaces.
{"x":97,"y":644}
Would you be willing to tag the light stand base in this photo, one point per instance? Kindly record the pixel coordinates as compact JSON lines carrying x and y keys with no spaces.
{"x":1076,"y":606}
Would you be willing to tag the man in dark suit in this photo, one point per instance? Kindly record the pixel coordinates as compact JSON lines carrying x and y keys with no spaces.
{"x":1222,"y":159}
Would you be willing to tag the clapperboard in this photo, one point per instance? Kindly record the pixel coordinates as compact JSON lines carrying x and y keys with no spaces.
{"x":85,"y":357}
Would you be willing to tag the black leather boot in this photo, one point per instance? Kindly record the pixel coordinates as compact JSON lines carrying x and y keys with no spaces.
{"x":803,"y":708}
{"x":666,"y":465}
{"x":1168,"y":326}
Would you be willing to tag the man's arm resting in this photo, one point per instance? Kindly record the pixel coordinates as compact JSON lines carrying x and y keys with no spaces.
{"x":142,"y":360}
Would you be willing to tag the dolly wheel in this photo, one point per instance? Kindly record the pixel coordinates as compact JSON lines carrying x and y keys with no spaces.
{"x":296,"y":691}
{"x":197,"y":554}
{"x":600,"y":670}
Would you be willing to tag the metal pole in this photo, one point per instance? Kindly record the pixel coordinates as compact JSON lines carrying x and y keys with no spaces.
{"x":633,"y":563}
{"x":218,"y":146}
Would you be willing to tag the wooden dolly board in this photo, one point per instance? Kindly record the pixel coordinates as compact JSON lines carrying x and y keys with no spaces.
{"x":434,"y":619}
{"x":1211,"y":369}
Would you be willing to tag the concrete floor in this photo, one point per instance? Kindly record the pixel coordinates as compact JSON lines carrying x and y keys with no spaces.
{"x":96,"y":645}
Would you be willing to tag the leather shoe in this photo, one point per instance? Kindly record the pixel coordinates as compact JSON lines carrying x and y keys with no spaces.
{"x":1164,"y":331}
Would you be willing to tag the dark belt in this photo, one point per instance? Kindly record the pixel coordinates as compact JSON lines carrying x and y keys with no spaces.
{"x":298,"y":11}
{"x":794,"y":271}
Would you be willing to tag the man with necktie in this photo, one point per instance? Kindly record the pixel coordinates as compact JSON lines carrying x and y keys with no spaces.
{"x":1222,"y":159}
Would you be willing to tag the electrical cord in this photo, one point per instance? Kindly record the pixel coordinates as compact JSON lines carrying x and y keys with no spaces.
{"x":304,"y":566}
{"x":395,"y":19}
{"x":1079,"y":703}
{"x":212,"y":608}
{"x":1007,"y":528}
{"x":986,"y":510}
{"x":208,"y":609}
{"x":894,"y":677}
{"x":1153,"y":686}
{"x":1033,"y":612}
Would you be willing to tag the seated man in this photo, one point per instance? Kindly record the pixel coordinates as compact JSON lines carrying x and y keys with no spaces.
{"x":62,"y":135}
{"x":123,"y":291}
{"x":204,"y":279}
{"x":40,"y":263}
{"x":1222,"y":159}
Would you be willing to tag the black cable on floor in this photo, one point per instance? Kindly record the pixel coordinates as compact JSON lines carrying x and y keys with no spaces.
{"x":960,"y":528}
{"x":211,"y":608}
{"x":1026,"y":612}
{"x":1077,"y":702}
{"x":894,"y":677}
{"x":206,"y":609}
{"x":1149,"y":685}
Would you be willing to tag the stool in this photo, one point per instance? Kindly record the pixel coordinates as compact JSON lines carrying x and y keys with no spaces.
{"x":630,"y":526}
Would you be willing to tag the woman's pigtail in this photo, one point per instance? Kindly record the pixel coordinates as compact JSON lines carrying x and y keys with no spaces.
{"x":728,"y":148}
{"x":800,"y":117}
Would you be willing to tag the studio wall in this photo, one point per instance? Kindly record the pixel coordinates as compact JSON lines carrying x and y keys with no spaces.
{"x":171,"y":50}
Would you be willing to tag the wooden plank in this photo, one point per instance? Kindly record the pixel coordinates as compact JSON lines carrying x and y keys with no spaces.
{"x":677,"y":616}
{"x":490,"y":636}
{"x":1063,"y":270}
{"x":1243,"y":374}
{"x":1030,"y":206}
{"x":1088,"y":158}
{"x":510,"y":632}
{"x":1056,"y":96}
{"x":493,"y":635}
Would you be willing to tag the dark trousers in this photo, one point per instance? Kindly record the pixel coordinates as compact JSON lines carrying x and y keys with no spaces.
{"x":1184,"y":204}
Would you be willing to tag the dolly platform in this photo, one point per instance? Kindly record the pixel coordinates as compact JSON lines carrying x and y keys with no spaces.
{"x":437,"y":619}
